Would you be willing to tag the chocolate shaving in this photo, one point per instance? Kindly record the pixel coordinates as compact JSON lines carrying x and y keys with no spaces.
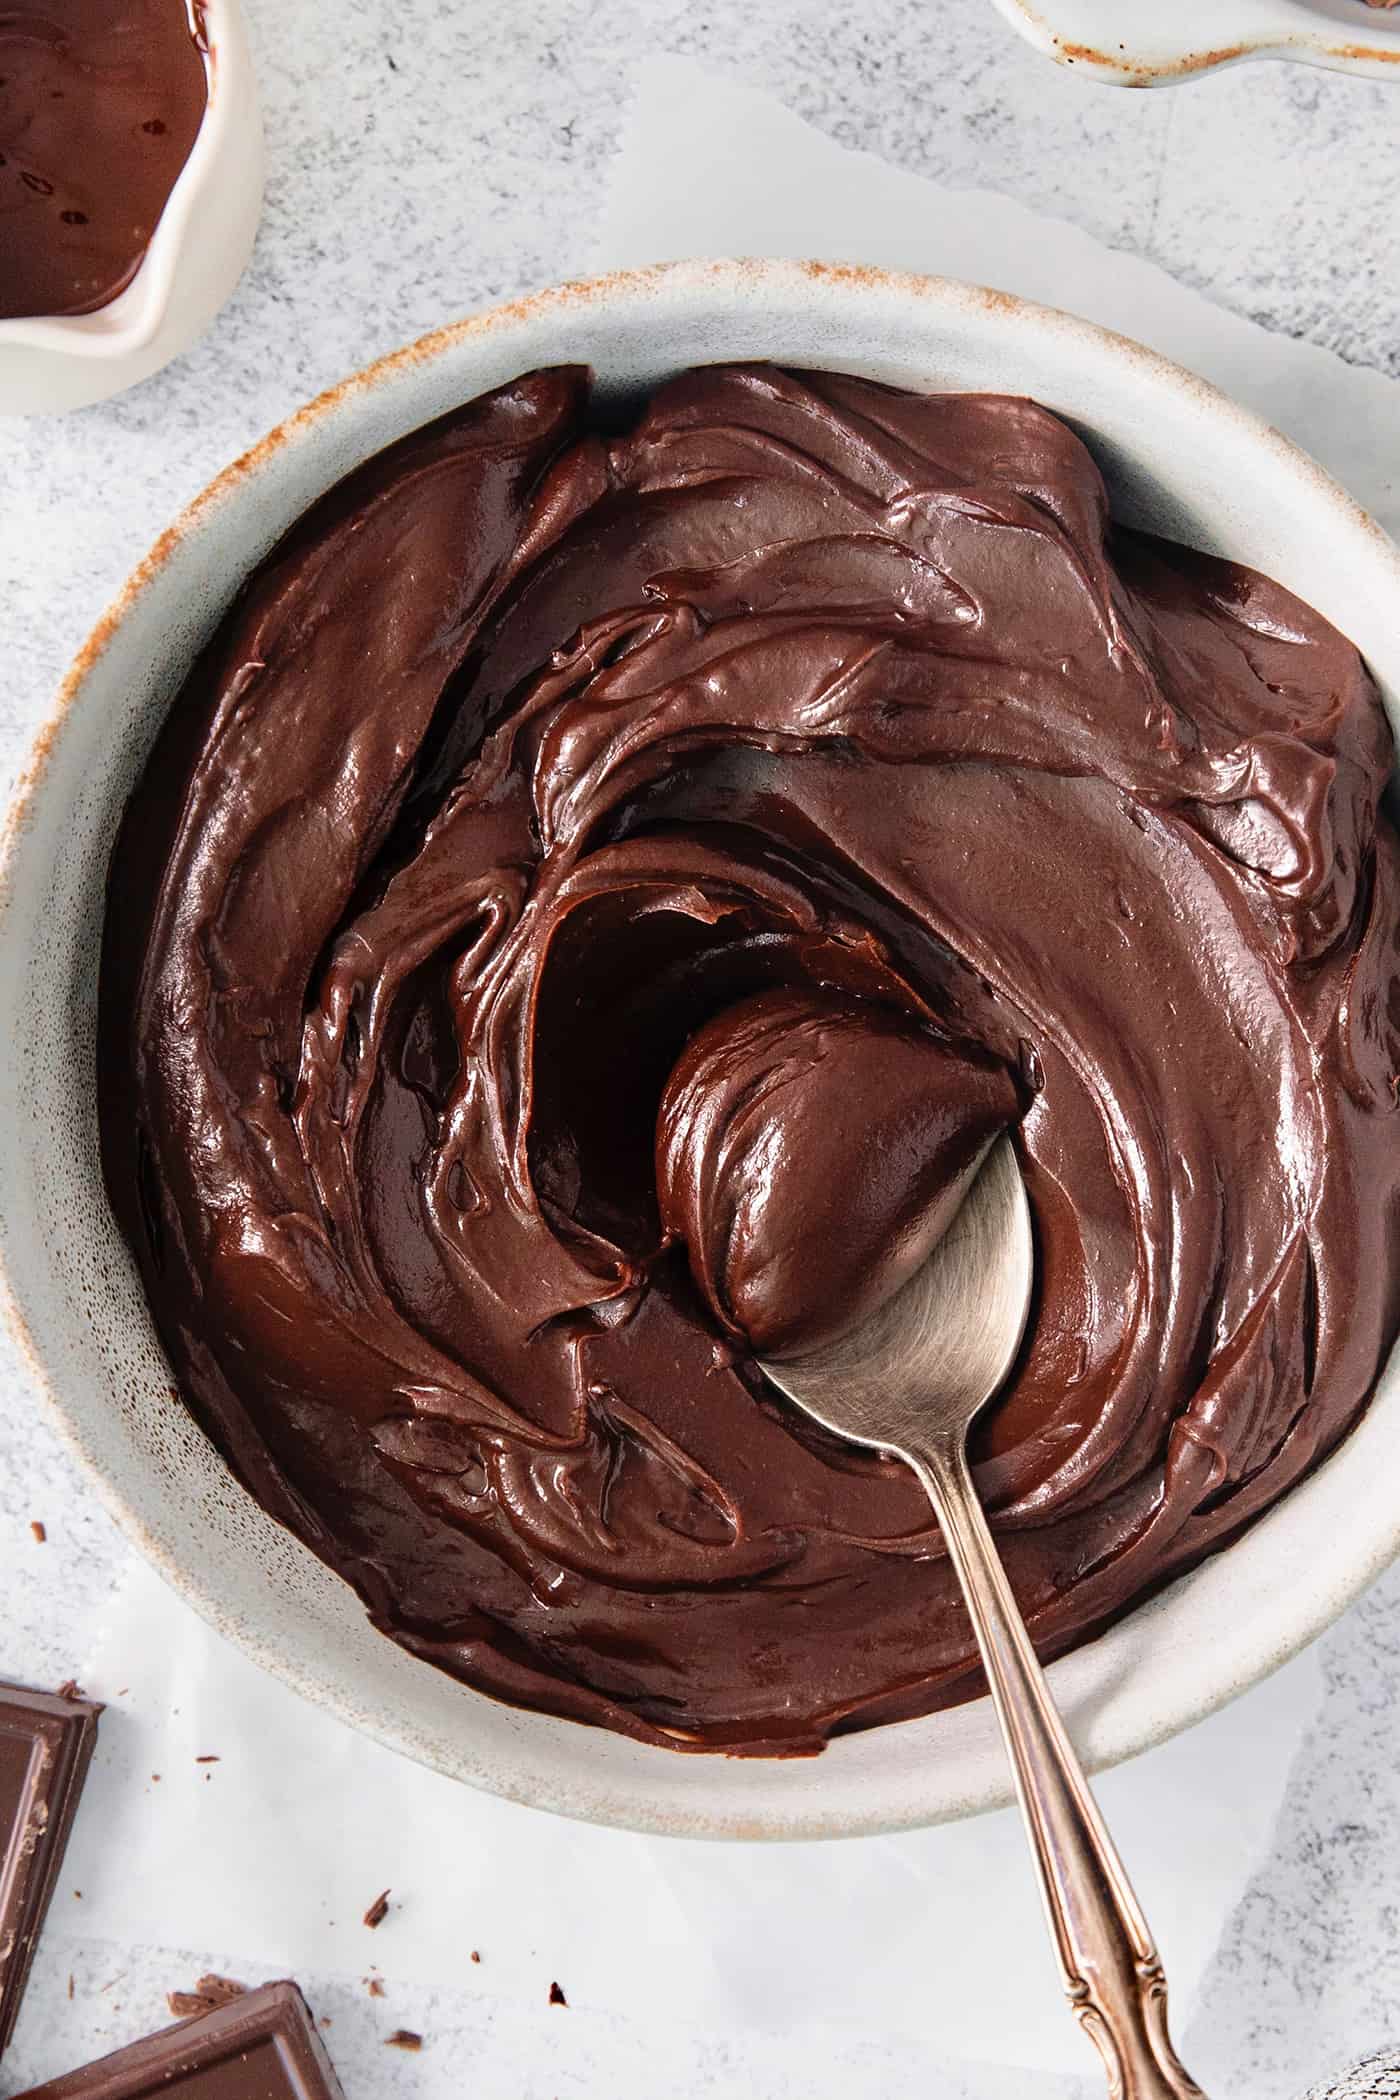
{"x":378,"y":1911}
{"x":556,"y":1996}
{"x":208,"y":1994}
{"x":40,"y":1534}
{"x":403,"y":2038}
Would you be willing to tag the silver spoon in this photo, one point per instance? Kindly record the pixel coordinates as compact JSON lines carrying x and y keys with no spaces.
{"x":910,"y":1381}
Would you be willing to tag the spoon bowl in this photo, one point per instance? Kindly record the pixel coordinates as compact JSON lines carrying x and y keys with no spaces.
{"x":930,"y":1358}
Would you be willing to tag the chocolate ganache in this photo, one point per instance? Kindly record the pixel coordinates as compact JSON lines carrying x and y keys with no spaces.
{"x":100,"y":103}
{"x":590,"y":906}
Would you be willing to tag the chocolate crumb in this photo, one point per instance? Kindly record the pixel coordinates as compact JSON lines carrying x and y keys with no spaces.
{"x":207,"y":1996}
{"x":325,"y":2020}
{"x":222,"y":1989}
{"x":556,"y":1996}
{"x":475,"y":1955}
{"x":155,"y":1779}
{"x":378,"y":1911}
{"x":40,"y":1534}
{"x":210,"y":1757}
{"x":374,"y":1987}
{"x":69,"y":1689}
{"x":70,"y":1985}
{"x":403,"y":2038}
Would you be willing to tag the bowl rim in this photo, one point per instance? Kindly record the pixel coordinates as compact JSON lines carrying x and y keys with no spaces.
{"x":130,"y":323}
{"x":1231,"y":1663}
{"x":1240,"y":31}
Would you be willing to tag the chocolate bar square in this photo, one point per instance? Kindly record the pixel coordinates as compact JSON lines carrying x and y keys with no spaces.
{"x":45,"y":1745}
{"x":262,"y":2046}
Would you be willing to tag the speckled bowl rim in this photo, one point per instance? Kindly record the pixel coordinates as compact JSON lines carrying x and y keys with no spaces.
{"x":1240,"y":31}
{"x":1222,"y":1666}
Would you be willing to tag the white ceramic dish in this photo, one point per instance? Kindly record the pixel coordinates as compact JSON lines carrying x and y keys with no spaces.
{"x":197,"y":254}
{"x":1180,"y":457}
{"x":1156,"y":43}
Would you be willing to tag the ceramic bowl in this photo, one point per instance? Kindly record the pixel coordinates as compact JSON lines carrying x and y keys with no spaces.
{"x":197,"y":254}
{"x":1156,"y":43}
{"x":1180,"y":458}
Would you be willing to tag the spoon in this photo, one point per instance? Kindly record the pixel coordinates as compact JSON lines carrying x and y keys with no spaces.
{"x":910,"y":1380}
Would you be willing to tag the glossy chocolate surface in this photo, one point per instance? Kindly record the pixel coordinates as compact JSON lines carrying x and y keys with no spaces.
{"x":100,"y":103}
{"x":529,"y":758}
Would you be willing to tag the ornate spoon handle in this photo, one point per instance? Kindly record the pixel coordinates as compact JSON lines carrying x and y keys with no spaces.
{"x":1112,"y":1974}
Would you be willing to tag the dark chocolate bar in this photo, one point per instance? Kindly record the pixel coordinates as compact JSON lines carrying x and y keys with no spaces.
{"x":45,"y":1745}
{"x":262,"y":2046}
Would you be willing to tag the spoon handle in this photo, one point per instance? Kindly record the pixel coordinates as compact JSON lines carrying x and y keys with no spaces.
{"x":1111,"y":1970}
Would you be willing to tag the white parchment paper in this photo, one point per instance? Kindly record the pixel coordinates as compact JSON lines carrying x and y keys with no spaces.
{"x":276,"y":1851}
{"x":277,"y":1848}
{"x":710,"y":167}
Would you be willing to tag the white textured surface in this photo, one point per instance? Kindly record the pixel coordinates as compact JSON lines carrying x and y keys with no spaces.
{"x":472,"y":166}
